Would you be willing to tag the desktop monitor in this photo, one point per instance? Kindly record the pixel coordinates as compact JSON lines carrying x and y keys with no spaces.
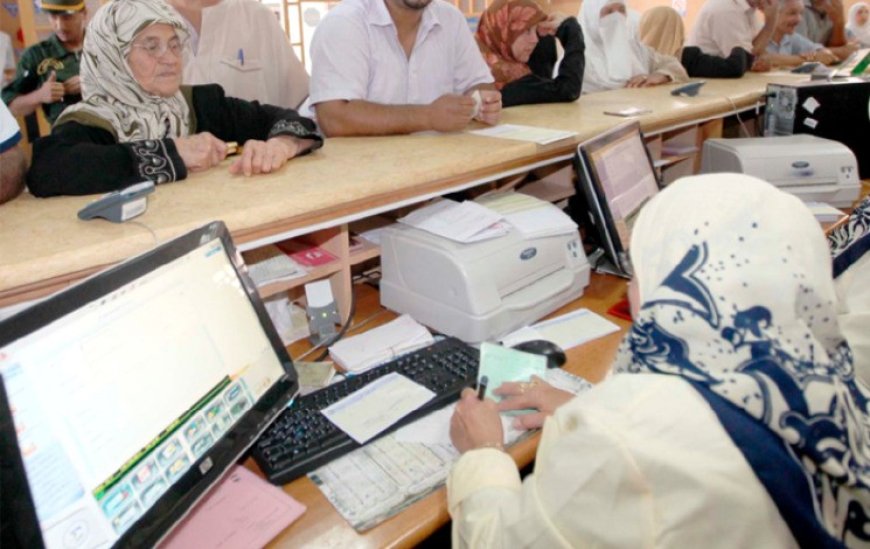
{"x":616,"y":174}
{"x":124,"y":398}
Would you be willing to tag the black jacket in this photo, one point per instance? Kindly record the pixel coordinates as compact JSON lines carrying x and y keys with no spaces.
{"x":540,"y":86}
{"x":699,"y":64}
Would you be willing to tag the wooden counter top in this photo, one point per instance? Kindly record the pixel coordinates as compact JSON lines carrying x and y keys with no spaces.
{"x":44,"y":246}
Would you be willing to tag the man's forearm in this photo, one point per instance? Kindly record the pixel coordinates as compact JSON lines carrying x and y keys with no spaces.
{"x":762,"y":39}
{"x":781,"y":60}
{"x":838,"y":34}
{"x":12,"y":168}
{"x":25,"y":104}
{"x":357,"y":117}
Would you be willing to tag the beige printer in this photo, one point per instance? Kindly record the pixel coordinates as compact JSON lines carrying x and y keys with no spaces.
{"x":813,"y":168}
{"x":482,"y":290}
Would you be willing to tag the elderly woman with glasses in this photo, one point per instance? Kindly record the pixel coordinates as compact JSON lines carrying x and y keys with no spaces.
{"x":137,"y":122}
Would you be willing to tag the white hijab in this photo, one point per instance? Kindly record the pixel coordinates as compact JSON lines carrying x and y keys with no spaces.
{"x":860,"y":32}
{"x":737,"y":294}
{"x":110,"y":93}
{"x":613,"y":52}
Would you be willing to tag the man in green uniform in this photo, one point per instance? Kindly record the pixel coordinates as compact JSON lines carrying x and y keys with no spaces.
{"x":48,"y":72}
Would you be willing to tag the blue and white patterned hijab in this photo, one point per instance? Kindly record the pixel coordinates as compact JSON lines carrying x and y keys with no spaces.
{"x":737,"y":296}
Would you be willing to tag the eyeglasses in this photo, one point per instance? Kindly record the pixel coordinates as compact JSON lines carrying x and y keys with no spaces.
{"x":155,"y":48}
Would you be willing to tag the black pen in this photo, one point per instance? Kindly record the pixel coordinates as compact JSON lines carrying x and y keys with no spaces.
{"x":481,"y":387}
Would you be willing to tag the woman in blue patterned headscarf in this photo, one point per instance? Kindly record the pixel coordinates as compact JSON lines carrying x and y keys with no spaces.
{"x":733,"y":419}
{"x":740,"y":302}
{"x":850,"y":250}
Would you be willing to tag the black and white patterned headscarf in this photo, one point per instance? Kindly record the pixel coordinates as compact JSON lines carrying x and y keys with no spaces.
{"x":110,"y":93}
{"x":737,"y":297}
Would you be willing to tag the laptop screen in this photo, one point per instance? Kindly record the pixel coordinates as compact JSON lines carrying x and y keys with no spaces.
{"x":131,"y":393}
{"x":618,"y":177}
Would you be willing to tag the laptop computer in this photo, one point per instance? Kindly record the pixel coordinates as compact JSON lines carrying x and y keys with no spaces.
{"x":123,"y":399}
{"x":617,"y":177}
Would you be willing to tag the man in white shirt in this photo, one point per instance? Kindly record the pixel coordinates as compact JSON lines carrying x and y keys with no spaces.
{"x":381,"y":67}
{"x":240,"y":45}
{"x":723,"y":25}
{"x":12,"y":162}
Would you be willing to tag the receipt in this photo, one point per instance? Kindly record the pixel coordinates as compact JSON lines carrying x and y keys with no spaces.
{"x":477,"y":101}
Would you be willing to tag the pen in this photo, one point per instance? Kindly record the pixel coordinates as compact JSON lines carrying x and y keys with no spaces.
{"x":481,"y":387}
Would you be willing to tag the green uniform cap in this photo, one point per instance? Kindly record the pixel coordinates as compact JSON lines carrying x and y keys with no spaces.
{"x":62,"y":6}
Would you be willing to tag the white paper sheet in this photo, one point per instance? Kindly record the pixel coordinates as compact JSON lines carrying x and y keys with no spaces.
{"x":460,"y":221}
{"x":541,"y":136}
{"x":371,"y":410}
{"x":566,"y":331}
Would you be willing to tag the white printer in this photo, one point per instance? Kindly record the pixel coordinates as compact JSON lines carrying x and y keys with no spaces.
{"x":813,"y":168}
{"x":481,"y":290}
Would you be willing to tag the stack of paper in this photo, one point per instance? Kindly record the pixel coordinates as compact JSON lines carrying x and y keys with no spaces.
{"x":269,"y":264}
{"x":531,"y":216}
{"x":462,"y":222}
{"x":359,"y":353}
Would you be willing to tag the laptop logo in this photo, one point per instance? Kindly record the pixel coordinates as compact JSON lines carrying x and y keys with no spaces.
{"x":206,"y":465}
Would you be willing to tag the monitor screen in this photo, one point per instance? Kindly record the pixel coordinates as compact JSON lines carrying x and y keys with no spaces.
{"x":133,"y":392}
{"x":617,"y":177}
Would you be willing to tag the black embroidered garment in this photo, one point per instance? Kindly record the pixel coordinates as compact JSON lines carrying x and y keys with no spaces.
{"x":85,"y":158}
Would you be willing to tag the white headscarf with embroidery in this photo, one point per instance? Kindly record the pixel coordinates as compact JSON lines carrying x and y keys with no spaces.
{"x":109,"y":90}
{"x":736,"y":294}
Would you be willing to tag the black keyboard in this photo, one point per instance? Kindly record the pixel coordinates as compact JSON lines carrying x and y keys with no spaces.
{"x":301,"y":439}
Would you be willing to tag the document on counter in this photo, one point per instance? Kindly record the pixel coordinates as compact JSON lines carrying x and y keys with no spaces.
{"x":243,"y":511}
{"x":541,"y":136}
{"x":566,"y":331}
{"x":377,"y":406}
{"x":460,"y":221}
{"x":379,"y":480}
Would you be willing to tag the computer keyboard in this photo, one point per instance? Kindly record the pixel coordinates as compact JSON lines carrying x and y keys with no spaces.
{"x":302,"y":439}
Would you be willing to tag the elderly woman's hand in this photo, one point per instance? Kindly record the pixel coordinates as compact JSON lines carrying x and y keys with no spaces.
{"x":536,"y":394}
{"x":200,"y":151}
{"x":475,"y":423}
{"x":267,"y":156}
{"x":647,"y":80}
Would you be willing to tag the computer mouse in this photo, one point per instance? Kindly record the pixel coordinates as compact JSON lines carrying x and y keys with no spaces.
{"x":555,"y":355}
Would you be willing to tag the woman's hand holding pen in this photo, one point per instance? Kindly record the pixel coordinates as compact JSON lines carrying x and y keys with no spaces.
{"x":537,"y":394}
{"x":475,"y":423}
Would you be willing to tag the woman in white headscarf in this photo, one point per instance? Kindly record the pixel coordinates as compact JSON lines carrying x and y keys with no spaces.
{"x":137,"y":122}
{"x":858,"y":24}
{"x":734,"y":417}
{"x":615,"y":58}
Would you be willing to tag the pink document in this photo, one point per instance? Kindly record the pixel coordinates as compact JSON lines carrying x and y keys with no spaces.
{"x":242,"y":512}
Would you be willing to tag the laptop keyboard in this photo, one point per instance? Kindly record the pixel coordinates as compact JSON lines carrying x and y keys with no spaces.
{"x":302,"y":439}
